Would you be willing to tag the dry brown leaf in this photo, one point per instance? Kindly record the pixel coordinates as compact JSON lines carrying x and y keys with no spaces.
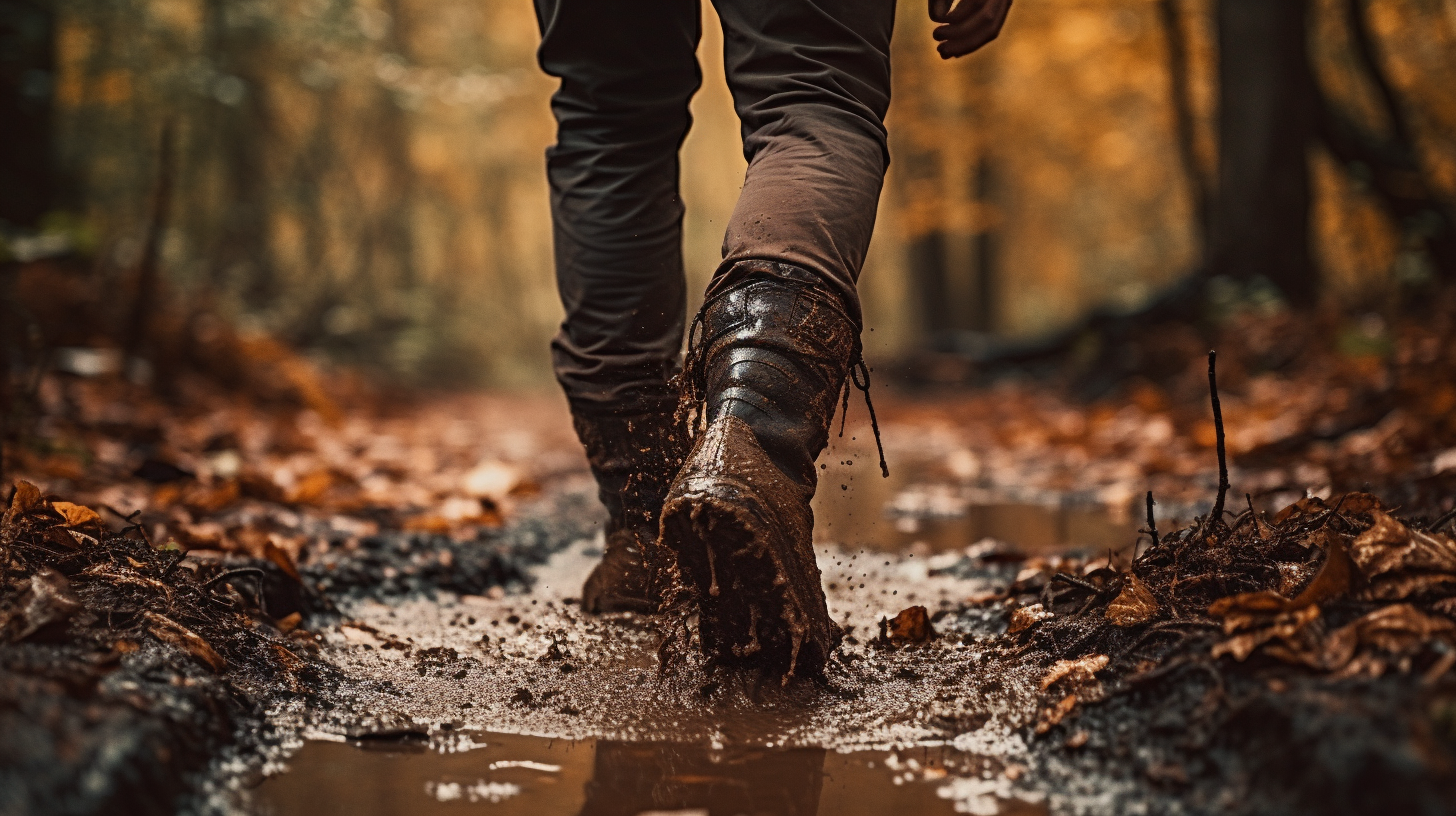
{"x":276,"y":554}
{"x":1389,"y":546}
{"x":1051,"y":715}
{"x":212,"y":499}
{"x":312,"y":488}
{"x":427,"y":524}
{"x":169,"y":631}
{"x":255,"y":485}
{"x":1359,"y":504}
{"x":26,"y":499}
{"x":76,"y":515}
{"x":912,"y":625}
{"x":1334,"y":577}
{"x":1078,"y":670}
{"x":1306,"y":506}
{"x":1285,"y":625}
{"x":1409,"y":585}
{"x":1134,"y":605}
{"x":289,"y":622}
{"x":1027,"y":617}
{"x":1247,"y":608}
{"x":1400,"y":629}
{"x":47,"y":600}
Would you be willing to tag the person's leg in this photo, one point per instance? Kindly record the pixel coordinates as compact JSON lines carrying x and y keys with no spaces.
{"x":811,"y":84}
{"x":778,"y":334}
{"x":627,"y":71}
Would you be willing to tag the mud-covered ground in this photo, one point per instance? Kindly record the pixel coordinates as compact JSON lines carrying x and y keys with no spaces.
{"x":416,"y":561}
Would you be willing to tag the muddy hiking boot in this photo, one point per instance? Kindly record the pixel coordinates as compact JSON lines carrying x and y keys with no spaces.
{"x":767,"y":360}
{"x":633,"y":458}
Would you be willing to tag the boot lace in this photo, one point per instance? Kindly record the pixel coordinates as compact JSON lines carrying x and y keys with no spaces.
{"x":692,"y":381}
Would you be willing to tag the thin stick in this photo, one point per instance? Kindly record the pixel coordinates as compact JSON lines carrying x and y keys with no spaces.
{"x":1443,"y":520}
{"x":1152,"y":525}
{"x":1223,"y":482}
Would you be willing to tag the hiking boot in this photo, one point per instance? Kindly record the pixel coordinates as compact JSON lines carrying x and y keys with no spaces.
{"x":633,"y":458}
{"x":769,"y":359}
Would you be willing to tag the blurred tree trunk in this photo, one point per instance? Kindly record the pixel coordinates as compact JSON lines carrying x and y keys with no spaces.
{"x":27,"y":180}
{"x":1266,"y":120}
{"x":27,"y":73}
{"x":237,"y":132}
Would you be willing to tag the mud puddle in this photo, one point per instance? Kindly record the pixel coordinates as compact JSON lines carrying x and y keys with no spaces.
{"x":515,"y":775}
{"x":461,"y":678}
{"x":924,"y":507}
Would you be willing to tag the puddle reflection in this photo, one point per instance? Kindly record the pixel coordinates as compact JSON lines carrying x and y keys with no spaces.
{"x":518,"y":775}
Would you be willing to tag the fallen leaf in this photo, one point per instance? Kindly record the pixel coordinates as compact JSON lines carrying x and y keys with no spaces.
{"x":289,"y":622}
{"x":912,"y":625}
{"x":76,"y":515}
{"x":311,"y":488}
{"x":25,"y":499}
{"x":1078,"y":670}
{"x":1285,"y":625}
{"x":47,"y":600}
{"x":202,"y":499}
{"x":1026,"y":617}
{"x":1134,"y":605}
{"x":1051,"y":715}
{"x":256,"y":485}
{"x":428,"y":524}
{"x":1390,"y":546}
{"x":1334,"y":577}
{"x":169,"y":631}
{"x":1359,"y":504}
{"x":276,"y":554}
{"x":1400,"y":629}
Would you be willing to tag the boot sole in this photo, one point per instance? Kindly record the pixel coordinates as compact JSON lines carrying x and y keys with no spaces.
{"x":751,"y":611}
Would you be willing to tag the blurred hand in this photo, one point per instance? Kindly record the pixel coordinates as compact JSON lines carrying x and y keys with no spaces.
{"x":968,"y":26}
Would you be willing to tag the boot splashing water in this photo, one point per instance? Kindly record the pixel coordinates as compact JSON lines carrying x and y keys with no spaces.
{"x":767,"y":359}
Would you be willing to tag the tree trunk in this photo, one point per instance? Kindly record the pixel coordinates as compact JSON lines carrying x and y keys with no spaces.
{"x":27,"y":72}
{"x":1266,"y":121}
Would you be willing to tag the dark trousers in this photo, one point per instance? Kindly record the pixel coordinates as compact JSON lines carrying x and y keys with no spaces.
{"x":810,"y":82}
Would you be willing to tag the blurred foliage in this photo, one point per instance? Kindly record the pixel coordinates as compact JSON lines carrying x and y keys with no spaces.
{"x":364,"y":177}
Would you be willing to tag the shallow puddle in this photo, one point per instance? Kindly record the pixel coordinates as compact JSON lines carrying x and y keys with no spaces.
{"x":514,"y":775}
{"x":533,"y":662}
{"x":918,"y":509}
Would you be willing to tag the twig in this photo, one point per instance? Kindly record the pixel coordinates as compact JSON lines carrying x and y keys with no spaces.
{"x":232,"y":573}
{"x":1223,"y":482}
{"x":1152,"y":525}
{"x":1076,"y":582}
{"x":1443,"y":520}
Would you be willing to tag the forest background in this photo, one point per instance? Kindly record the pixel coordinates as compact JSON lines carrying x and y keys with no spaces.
{"x":364,"y":178}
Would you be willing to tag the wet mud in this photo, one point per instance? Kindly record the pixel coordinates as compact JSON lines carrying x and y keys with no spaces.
{"x":453,"y":671}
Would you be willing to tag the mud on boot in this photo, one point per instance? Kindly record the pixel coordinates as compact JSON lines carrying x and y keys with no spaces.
{"x":768,"y":358}
{"x":633,"y":458}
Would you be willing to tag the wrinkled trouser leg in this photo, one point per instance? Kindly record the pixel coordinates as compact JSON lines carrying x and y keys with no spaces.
{"x":811,"y":84}
{"x":628,"y":69}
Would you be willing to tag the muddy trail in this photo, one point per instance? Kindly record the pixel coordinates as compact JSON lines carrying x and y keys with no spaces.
{"x":419,"y":672}
{"x":256,"y":602}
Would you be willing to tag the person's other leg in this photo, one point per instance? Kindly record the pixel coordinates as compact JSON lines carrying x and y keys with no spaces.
{"x":628,"y":69}
{"x":779,"y":331}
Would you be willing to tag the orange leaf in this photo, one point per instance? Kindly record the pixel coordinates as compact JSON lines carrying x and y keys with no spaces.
{"x":76,"y":515}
